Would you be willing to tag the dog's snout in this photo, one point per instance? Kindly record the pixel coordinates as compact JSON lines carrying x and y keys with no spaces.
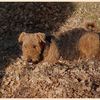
{"x":29,"y":60}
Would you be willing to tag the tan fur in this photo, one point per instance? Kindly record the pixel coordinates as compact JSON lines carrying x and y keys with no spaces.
{"x":89,"y":42}
{"x":35,"y":47}
{"x":53,"y":53}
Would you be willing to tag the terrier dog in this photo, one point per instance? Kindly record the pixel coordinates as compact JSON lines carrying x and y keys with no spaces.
{"x":88,"y":44}
{"x":39,"y":47}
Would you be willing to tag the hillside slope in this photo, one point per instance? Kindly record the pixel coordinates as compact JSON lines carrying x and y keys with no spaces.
{"x":76,"y":78}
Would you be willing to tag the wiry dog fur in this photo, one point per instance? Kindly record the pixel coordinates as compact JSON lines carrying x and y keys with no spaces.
{"x":89,"y":43}
{"x":38,"y":47}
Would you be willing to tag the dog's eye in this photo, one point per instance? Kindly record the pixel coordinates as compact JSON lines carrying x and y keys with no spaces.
{"x":34,"y":46}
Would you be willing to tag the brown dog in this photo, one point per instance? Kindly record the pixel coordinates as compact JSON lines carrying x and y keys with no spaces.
{"x":89,"y":43}
{"x":39,"y":47}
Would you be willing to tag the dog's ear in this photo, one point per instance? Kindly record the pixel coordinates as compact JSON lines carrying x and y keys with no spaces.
{"x":21,"y":37}
{"x":41,"y":37}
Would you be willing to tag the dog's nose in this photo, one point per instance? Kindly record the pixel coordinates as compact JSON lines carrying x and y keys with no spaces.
{"x":29,"y":60}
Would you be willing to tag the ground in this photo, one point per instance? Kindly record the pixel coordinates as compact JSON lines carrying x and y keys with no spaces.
{"x":68,"y":78}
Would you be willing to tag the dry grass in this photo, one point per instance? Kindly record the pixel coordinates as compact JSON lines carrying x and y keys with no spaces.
{"x":77,"y":78}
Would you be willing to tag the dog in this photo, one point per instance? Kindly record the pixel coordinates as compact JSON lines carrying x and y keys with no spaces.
{"x":88,"y":44}
{"x":39,"y":47}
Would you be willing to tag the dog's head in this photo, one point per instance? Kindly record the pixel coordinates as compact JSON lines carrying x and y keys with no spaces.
{"x":32,"y":45}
